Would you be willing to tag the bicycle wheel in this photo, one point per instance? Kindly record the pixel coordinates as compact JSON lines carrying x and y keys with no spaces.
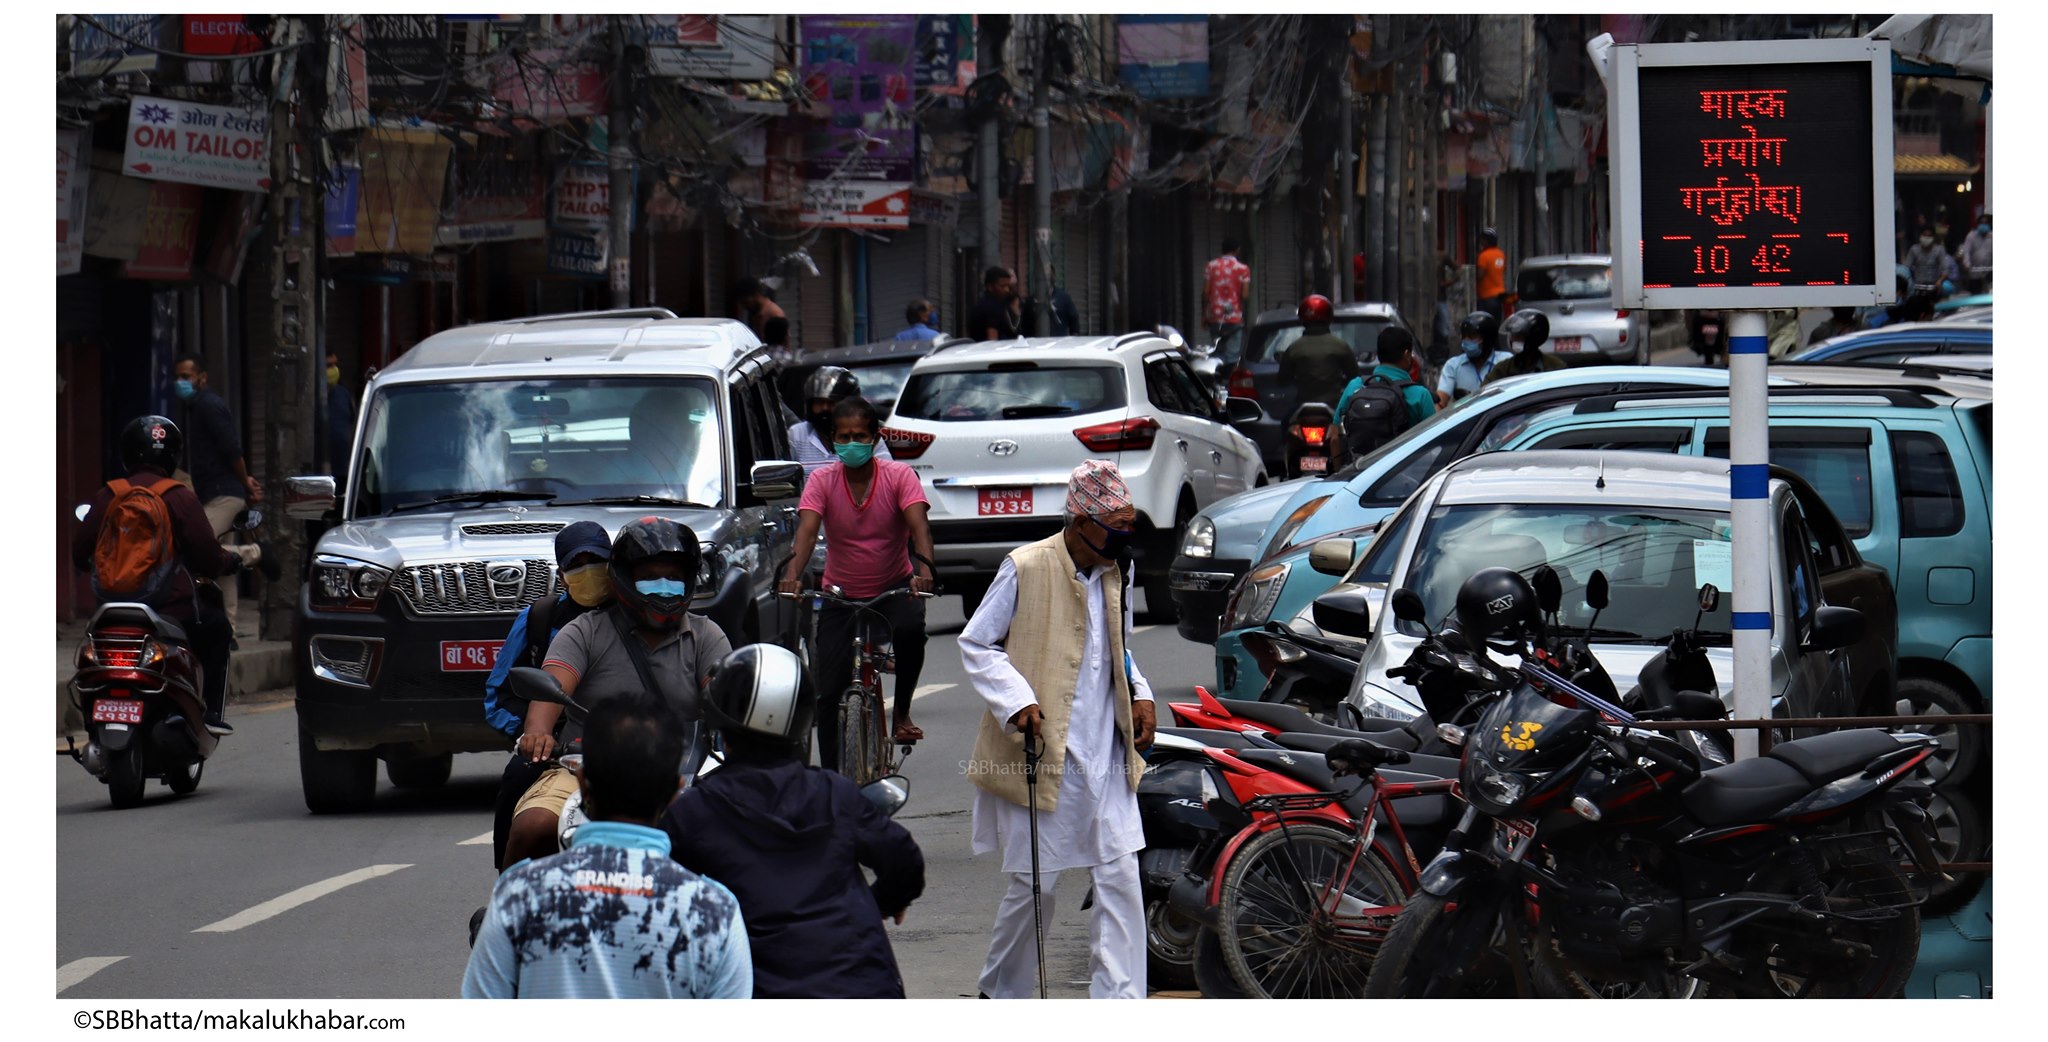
{"x":856,"y":737}
{"x":1279,"y":929}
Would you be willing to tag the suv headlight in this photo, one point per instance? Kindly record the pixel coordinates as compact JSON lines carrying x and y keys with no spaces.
{"x":1200,"y":538}
{"x":1256,"y":594}
{"x":344,"y":584}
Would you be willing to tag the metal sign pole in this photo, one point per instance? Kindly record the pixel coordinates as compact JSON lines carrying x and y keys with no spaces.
{"x":1749,"y":484}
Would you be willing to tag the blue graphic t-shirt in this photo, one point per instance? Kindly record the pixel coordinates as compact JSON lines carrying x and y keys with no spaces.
{"x":611,"y":917}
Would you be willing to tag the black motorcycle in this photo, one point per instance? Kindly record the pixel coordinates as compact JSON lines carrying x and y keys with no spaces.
{"x":1594,"y":851}
{"x":1311,"y":440}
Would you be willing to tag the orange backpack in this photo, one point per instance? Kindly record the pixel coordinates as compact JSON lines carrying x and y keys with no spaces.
{"x":136,"y":555}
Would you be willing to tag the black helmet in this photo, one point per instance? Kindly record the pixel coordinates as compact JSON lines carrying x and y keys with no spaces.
{"x":152,"y":441}
{"x":1482,"y":327}
{"x":647,"y":538}
{"x":1530,"y":326}
{"x":1497,"y":602}
{"x":762,"y":690}
{"x":832,"y":383}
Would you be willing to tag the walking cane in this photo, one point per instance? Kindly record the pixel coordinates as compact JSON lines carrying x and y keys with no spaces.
{"x":1032,"y":749}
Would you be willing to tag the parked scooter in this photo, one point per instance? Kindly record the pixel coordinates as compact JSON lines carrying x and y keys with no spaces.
{"x":141,"y":691}
{"x":1311,"y":439}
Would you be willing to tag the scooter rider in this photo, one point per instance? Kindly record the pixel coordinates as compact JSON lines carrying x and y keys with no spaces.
{"x":150,"y":448}
{"x":811,"y":439}
{"x":791,"y":840}
{"x":1479,"y":351}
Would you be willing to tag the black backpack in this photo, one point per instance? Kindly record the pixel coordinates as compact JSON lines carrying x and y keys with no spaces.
{"x":1376,"y":415}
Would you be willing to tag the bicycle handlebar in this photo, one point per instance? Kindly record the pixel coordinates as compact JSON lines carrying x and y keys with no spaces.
{"x":870,"y":602}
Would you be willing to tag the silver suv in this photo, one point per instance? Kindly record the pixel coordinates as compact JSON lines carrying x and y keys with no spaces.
{"x":472,"y":451}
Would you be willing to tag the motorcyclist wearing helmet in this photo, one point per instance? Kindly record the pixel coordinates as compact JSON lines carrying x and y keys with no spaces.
{"x":790,"y":840}
{"x":1320,"y":364}
{"x":811,"y":439}
{"x":1479,"y":351}
{"x":150,"y":449}
{"x":1525,"y":330}
{"x":654,"y":569}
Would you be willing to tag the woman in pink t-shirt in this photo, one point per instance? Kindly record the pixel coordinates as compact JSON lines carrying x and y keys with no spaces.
{"x":876,"y":512}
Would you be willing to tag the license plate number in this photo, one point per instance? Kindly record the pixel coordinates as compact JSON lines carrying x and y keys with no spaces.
{"x":1314,"y":464}
{"x":1003,"y":502}
{"x":469,"y":656}
{"x":1567,"y":345}
{"x":117,"y":711}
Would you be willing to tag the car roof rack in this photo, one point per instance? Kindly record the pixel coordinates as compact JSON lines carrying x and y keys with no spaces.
{"x":943,"y":342}
{"x":1901,"y":397}
{"x":577,"y":316}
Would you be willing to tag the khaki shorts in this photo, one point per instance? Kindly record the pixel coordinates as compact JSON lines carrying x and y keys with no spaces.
{"x":550,"y":792}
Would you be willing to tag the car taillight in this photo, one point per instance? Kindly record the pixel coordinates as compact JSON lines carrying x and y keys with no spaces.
{"x":1624,"y":337}
{"x":1133,"y":435}
{"x":1241,"y":383}
{"x":1621,"y":313}
{"x":906,"y":444}
{"x":1311,"y":435}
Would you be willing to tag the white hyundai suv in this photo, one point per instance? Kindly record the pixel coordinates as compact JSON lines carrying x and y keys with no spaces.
{"x":994,"y":428}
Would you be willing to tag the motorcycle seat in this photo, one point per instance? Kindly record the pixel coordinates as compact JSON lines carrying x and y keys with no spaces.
{"x":1312,"y":770}
{"x":1289,"y":719}
{"x":1749,"y":790}
{"x":1418,"y":763}
{"x":165,"y":629}
{"x":1824,"y":758}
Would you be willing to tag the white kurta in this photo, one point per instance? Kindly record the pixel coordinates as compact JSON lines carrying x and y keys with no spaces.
{"x":1096,"y":820}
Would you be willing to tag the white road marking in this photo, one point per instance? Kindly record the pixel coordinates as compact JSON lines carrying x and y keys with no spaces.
{"x":1149,"y":627}
{"x":930,"y":689}
{"x":312,"y":892}
{"x":475,"y":841}
{"x":74,"y":973}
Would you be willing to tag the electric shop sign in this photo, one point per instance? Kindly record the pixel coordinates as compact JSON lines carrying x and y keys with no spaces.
{"x":1753,"y":175}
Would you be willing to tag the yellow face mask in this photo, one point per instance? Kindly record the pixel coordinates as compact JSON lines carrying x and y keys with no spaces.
{"x":590,"y":585}
{"x":333,"y":375}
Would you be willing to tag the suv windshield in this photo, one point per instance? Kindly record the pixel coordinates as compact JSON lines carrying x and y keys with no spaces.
{"x":1566,"y":282}
{"x":1362,"y":333}
{"x":575,"y":439}
{"x":1655,"y":560}
{"x":1013,"y":392}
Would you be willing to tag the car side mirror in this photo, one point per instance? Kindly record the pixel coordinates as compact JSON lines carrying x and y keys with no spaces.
{"x":1596,"y":590}
{"x":1243,"y":412}
{"x":888,"y":794}
{"x":1343,"y":611}
{"x":1835,"y":628}
{"x":1333,"y":556}
{"x":1549,"y":589}
{"x":1408,"y":606}
{"x":776,"y":481}
{"x":309,"y":498}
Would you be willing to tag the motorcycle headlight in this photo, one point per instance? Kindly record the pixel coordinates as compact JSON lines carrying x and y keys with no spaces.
{"x":1200,"y":538}
{"x":1493,"y":791}
{"x":1256,"y":594}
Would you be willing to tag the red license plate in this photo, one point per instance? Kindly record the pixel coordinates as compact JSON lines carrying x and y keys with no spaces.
{"x":1567,"y":345}
{"x":1314,"y":464}
{"x":1003,"y":502}
{"x":117,"y":711}
{"x":469,"y":656}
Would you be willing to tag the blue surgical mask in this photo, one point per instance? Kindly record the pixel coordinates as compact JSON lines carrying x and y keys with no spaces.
{"x":855,"y":453}
{"x":1117,"y":543}
{"x":1985,"y":228}
{"x":1473,"y":348}
{"x":662,"y":587}
{"x":186,"y":390}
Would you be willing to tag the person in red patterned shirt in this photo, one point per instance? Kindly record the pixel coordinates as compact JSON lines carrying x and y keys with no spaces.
{"x":1225,"y":283}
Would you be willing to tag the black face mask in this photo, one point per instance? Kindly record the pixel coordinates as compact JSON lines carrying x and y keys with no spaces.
{"x":822,"y":423}
{"x":1117,"y":543}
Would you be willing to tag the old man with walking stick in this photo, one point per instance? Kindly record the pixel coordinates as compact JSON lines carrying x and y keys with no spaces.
{"x":1046,"y":651}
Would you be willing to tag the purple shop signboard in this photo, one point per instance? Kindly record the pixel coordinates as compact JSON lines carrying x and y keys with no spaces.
{"x":863,"y":69}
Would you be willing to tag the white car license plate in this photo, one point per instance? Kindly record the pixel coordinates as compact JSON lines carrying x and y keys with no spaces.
{"x":1314,"y":464}
{"x":1003,"y":502}
{"x":1567,"y":345}
{"x":117,"y":711}
{"x":469,"y":656}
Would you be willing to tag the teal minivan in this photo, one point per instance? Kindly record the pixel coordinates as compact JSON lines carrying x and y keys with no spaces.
{"x":1908,"y":473}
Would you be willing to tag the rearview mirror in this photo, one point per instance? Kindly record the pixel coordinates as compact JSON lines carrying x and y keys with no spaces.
{"x":1333,"y":556}
{"x":1243,"y":412}
{"x":1697,"y":705}
{"x":1596,"y":591}
{"x":1710,"y":598}
{"x":1835,"y":628}
{"x":888,"y":794}
{"x":309,"y":498}
{"x":1344,"y":612}
{"x":1408,"y":606}
{"x":1549,"y":589}
{"x":537,"y":685}
{"x":776,"y":481}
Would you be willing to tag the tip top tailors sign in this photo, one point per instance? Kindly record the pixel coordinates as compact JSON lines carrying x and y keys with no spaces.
{"x":856,"y":204}
{"x":215,"y":146}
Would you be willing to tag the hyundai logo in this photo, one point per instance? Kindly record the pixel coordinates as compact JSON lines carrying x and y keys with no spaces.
{"x":1002,"y":447}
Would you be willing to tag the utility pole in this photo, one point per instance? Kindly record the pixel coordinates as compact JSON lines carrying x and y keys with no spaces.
{"x":288,"y":369}
{"x":619,"y":130}
{"x":1376,"y":196}
{"x":1347,"y":201}
{"x":1041,"y":180}
{"x":989,"y":163}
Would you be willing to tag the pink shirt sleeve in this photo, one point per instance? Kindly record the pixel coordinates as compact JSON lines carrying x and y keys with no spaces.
{"x":905,"y":487}
{"x":813,"y":498}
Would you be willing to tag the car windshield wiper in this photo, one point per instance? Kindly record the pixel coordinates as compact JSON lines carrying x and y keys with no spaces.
{"x":1607,"y":635}
{"x":663,"y":501}
{"x":480,"y":496}
{"x":1025,"y":412}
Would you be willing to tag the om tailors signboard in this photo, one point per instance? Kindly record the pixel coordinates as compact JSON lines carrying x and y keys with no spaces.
{"x":213,"y":146}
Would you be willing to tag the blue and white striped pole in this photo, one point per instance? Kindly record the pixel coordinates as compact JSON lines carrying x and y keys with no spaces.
{"x":1749,"y":487}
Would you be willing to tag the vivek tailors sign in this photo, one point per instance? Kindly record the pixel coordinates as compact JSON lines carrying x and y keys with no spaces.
{"x":214,"y":146}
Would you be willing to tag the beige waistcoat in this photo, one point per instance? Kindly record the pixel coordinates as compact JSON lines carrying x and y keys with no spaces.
{"x":1045,"y":643}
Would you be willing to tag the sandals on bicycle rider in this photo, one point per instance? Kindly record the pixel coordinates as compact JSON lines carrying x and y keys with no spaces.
{"x":908,"y":734}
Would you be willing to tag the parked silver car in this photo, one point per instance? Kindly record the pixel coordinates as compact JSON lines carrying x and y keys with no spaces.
{"x":1575,"y":291}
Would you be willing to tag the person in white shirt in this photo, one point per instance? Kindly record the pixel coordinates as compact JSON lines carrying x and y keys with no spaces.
{"x":810,"y":439}
{"x":1046,"y":651}
{"x":1478,"y":352}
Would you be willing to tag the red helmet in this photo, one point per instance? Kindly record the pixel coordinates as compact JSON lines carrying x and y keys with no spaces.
{"x":1316,"y":309}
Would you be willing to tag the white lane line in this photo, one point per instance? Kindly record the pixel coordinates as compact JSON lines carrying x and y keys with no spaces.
{"x":74,"y":973}
{"x":475,"y":841}
{"x":930,"y":689}
{"x":1145,"y":628}
{"x":312,"y":892}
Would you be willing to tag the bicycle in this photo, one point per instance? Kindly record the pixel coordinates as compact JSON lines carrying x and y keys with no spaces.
{"x":865,"y":752}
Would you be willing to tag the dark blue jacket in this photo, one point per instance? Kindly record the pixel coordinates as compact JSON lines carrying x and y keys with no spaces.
{"x":789,"y":840}
{"x":505,"y":712}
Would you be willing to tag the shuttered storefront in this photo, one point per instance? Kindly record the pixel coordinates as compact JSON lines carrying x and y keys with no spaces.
{"x":817,"y":296}
{"x":1276,"y":271}
{"x":898,"y":273}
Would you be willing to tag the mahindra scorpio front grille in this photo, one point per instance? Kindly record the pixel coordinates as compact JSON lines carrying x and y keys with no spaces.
{"x":475,"y":587}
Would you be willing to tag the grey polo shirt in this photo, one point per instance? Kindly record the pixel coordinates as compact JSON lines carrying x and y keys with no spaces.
{"x":590,"y":647}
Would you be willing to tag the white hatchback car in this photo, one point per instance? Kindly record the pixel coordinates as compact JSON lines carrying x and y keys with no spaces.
{"x":994,"y":428}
